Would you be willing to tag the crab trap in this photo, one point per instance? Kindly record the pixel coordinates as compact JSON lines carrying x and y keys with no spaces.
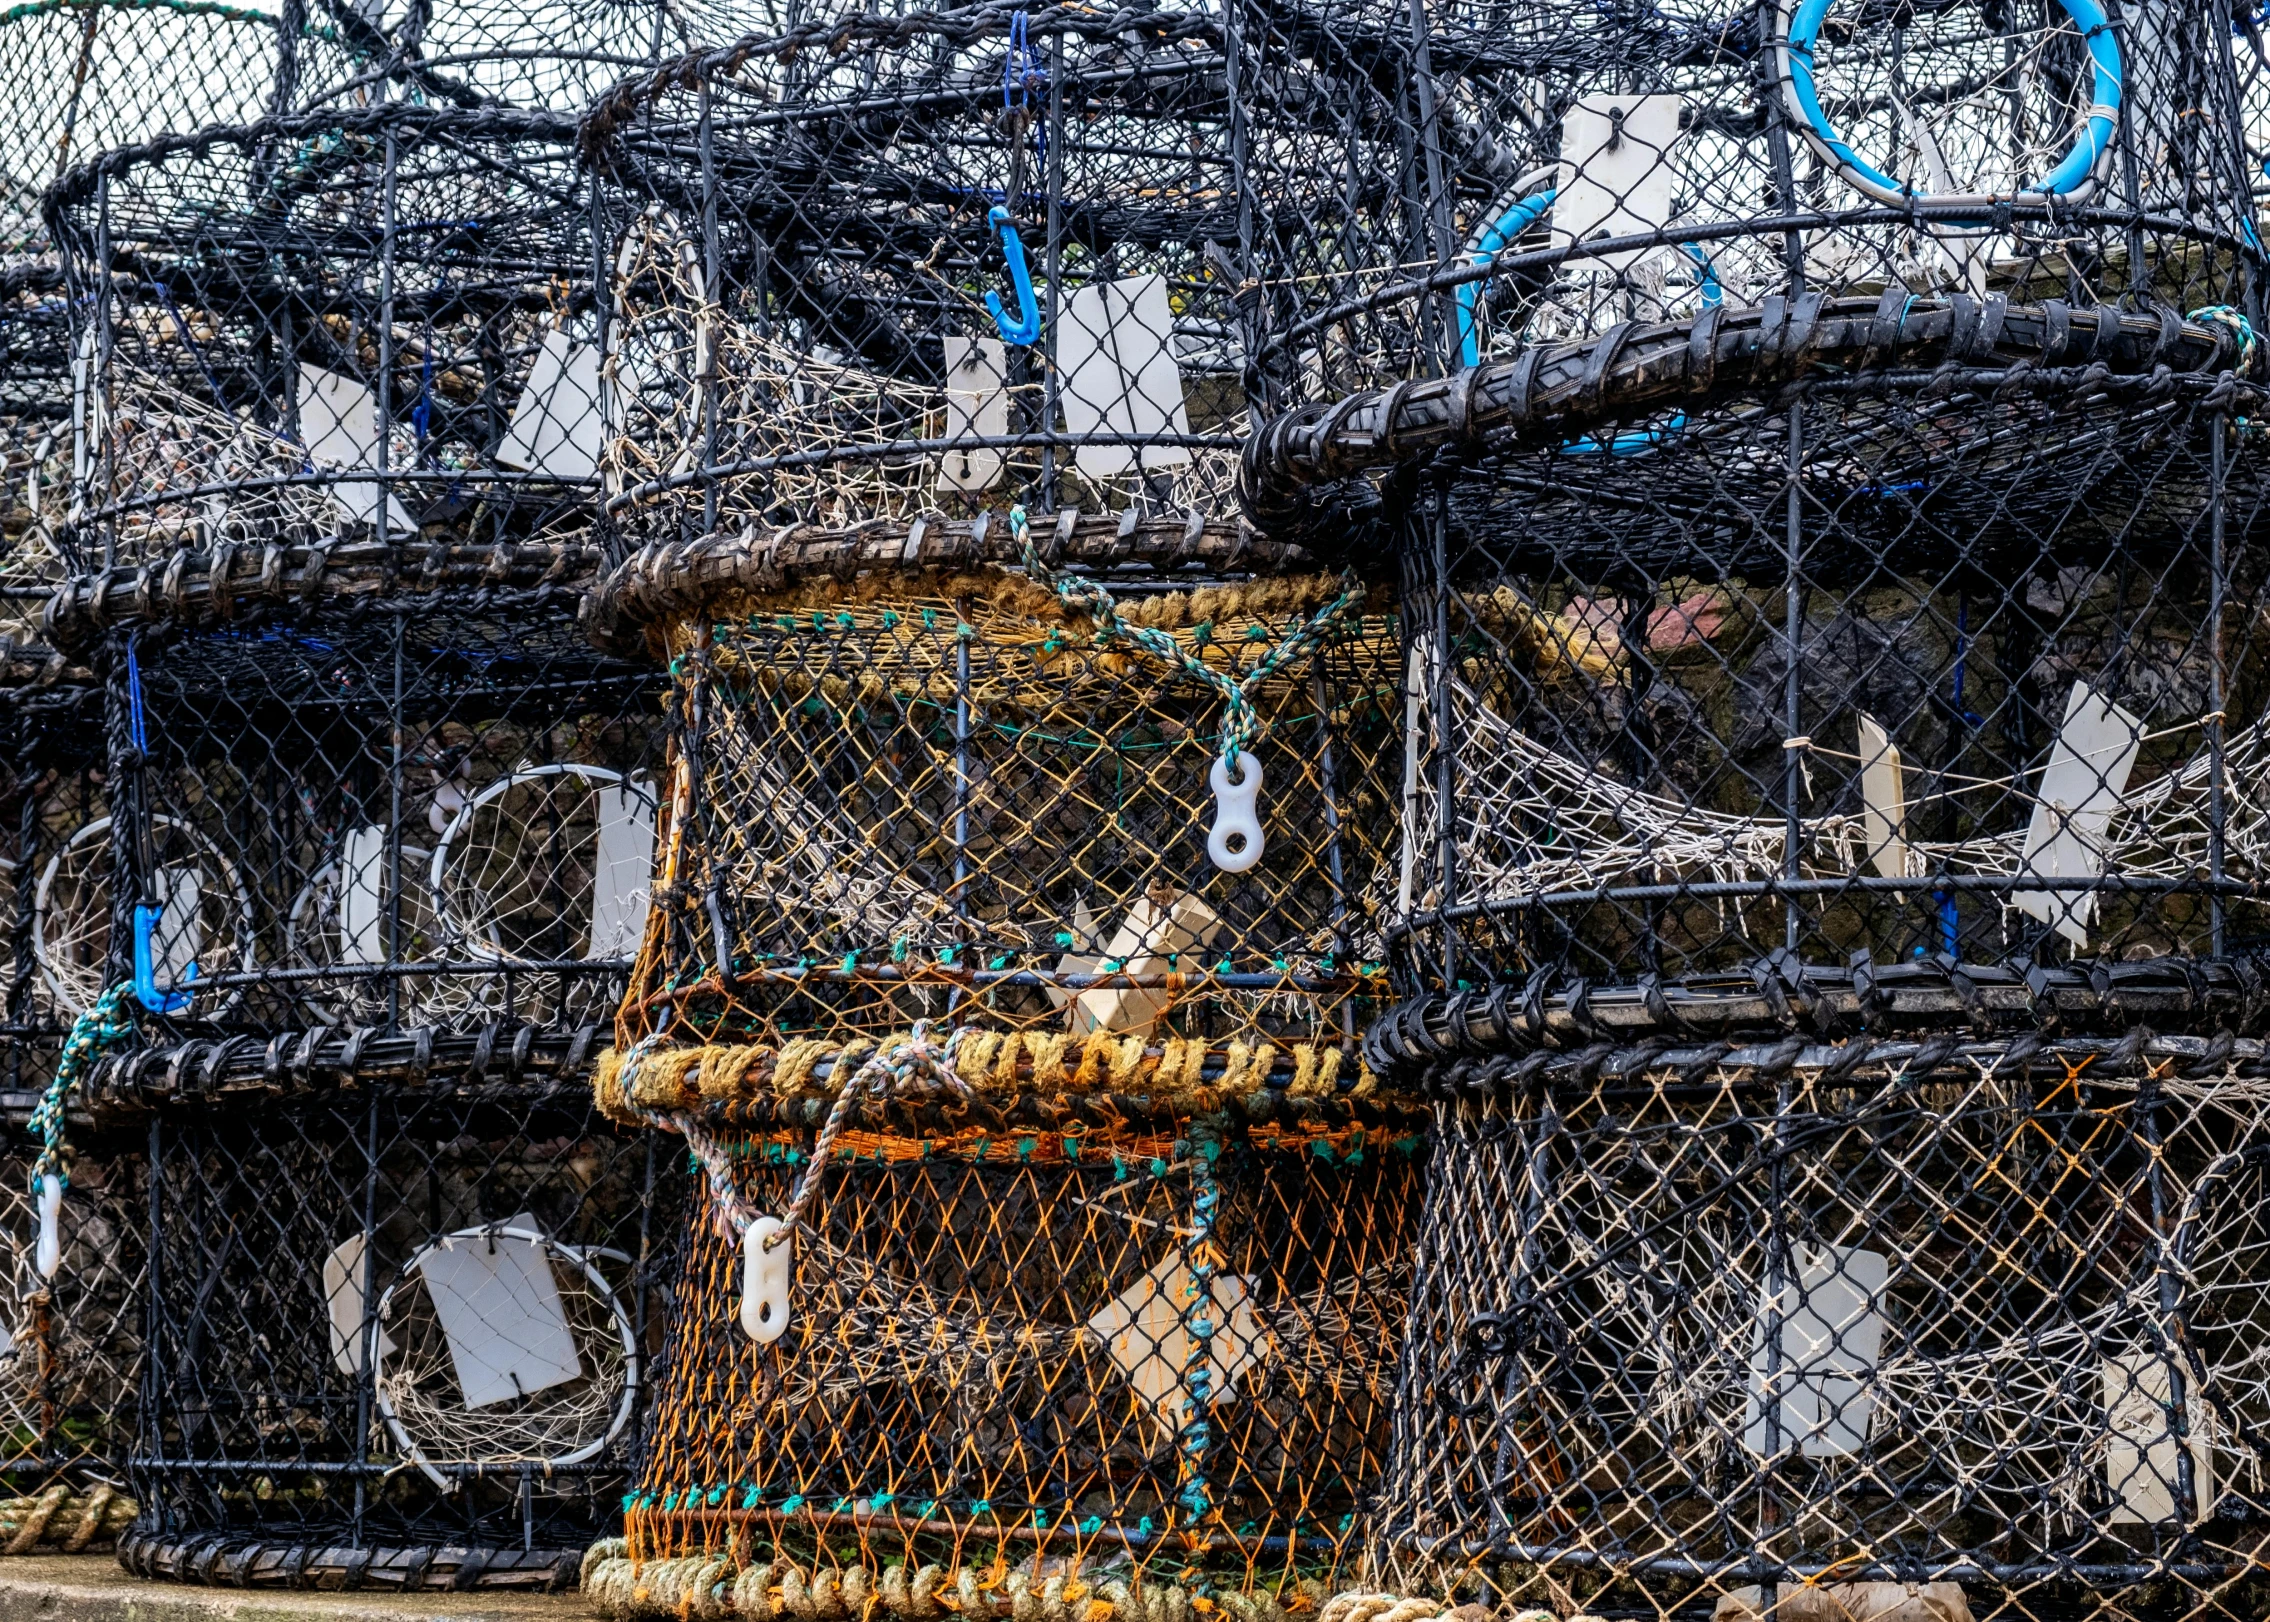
{"x":959,"y":259}
{"x":1023,"y":1343}
{"x":1925,"y":1326}
{"x":1822,"y":472}
{"x":365,"y":770}
{"x":397,"y":1314}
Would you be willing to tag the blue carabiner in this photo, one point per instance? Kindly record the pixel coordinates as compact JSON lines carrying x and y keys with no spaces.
{"x":157,"y":1000}
{"x":147,"y":913}
{"x":1027,"y":328}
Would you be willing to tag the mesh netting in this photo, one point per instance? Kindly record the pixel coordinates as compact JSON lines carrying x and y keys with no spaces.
{"x":400,"y":1332}
{"x":960,"y":258}
{"x":1732,"y":1331}
{"x":1051,"y":1343}
{"x":947,"y":797}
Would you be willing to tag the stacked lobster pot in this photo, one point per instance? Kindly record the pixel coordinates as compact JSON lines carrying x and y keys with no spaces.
{"x":375,"y":823}
{"x":1022,"y":841}
{"x":1829,"y":922}
{"x":82,"y":78}
{"x":70,"y":1320}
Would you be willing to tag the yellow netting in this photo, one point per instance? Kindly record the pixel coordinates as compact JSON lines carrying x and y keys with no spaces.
{"x":951,"y":802}
{"x":1119,"y":1351}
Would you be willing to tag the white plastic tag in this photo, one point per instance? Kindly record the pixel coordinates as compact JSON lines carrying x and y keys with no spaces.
{"x":180,"y":936}
{"x":556,"y":428}
{"x":622,"y":871}
{"x":362,"y":873}
{"x":1235,"y":844}
{"x":1120,"y":376}
{"x":339,"y":427}
{"x":500,"y":1310}
{"x":49,"y":1254}
{"x":2080,"y":792}
{"x":343,"y":1305}
{"x":765,"y":1278}
{"x":1616,"y":176}
{"x":977,"y":407}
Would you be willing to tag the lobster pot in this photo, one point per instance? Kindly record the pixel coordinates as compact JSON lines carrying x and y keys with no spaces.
{"x":1940,"y":1328}
{"x":71,"y":1372}
{"x":807,"y":245}
{"x":936,"y":795}
{"x":1035,"y":1344}
{"x":1579,"y":169}
{"x":371,"y":324}
{"x":386,"y":787}
{"x":1942,"y":649}
{"x":397,"y":1315}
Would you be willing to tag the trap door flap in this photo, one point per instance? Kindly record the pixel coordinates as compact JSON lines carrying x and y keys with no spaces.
{"x":1119,"y":375}
{"x":2141,"y":1463}
{"x":500,"y":1310}
{"x":1148,"y":942}
{"x":1148,"y":1342}
{"x":557,"y":428}
{"x":1883,"y":800}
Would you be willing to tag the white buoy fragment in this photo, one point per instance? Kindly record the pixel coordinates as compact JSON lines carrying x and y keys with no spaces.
{"x":1235,"y":843}
{"x":765,"y":1275}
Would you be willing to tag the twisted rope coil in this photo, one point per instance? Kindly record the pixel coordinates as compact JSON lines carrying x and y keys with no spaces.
{"x":910,"y":1066}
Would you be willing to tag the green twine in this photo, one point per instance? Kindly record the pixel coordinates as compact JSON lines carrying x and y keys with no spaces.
{"x":1240,"y":726}
{"x":102,"y":1024}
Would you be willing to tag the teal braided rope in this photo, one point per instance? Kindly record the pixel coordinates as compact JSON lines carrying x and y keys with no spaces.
{"x":2234,"y":321}
{"x":104,"y":1023}
{"x":1240,"y":726}
{"x":1198,"y":1326}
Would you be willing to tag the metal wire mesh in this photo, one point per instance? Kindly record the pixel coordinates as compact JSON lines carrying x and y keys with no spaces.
{"x":1754,"y":1329}
{"x":397,"y":1332}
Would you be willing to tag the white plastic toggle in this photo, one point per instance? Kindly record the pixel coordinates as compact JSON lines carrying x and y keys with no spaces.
{"x":1235,"y":843}
{"x":765,"y":1277}
{"x":48,"y":1256}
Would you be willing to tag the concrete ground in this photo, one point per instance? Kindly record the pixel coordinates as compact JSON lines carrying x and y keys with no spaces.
{"x":92,"y":1588}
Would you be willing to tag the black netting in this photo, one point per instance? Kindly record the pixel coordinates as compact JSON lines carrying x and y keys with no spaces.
{"x":395,"y":1330}
{"x":1961,"y":1328}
